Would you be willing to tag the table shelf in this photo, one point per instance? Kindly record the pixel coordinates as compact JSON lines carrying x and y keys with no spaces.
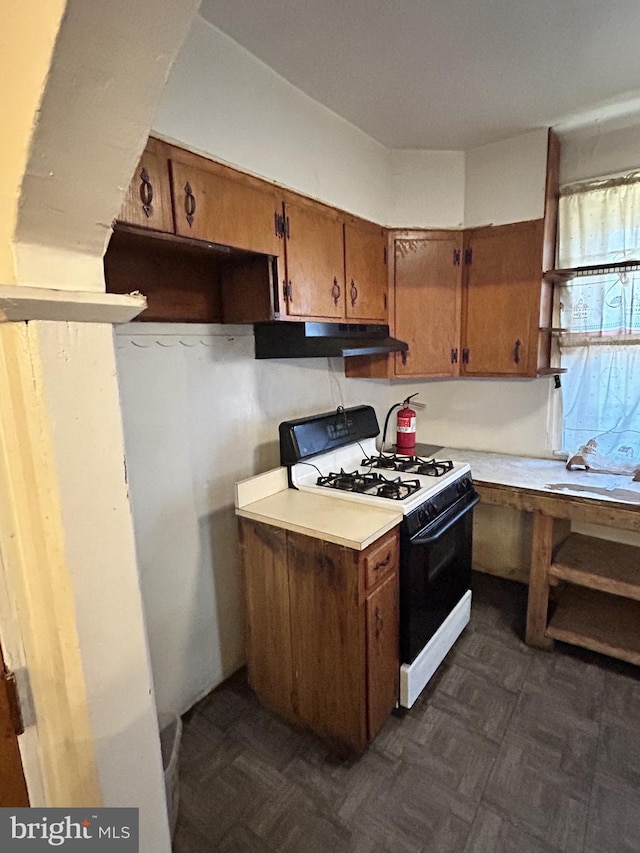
{"x":598,"y":621}
{"x":610,"y":567}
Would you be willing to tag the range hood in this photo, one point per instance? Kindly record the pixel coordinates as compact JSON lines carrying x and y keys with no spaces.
{"x":313,"y":340}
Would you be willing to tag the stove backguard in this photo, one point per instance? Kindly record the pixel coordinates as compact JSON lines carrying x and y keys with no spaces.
{"x":307,"y":437}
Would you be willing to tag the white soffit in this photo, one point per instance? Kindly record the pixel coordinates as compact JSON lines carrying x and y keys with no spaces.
{"x":21,"y":303}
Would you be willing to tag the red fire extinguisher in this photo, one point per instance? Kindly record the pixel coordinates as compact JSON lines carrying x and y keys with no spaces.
{"x":406,"y":429}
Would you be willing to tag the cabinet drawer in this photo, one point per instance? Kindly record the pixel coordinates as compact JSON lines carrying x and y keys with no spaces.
{"x":381,"y":560}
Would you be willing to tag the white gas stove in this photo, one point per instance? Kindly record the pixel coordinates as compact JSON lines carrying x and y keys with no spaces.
{"x":359,"y":472}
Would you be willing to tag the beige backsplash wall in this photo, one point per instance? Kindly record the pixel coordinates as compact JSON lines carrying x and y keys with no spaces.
{"x":199,"y":414}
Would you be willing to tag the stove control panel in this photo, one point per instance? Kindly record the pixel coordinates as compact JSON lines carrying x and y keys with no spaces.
{"x":455,"y":494}
{"x":344,"y":426}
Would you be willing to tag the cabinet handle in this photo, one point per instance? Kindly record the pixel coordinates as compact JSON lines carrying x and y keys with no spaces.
{"x":354,"y":293}
{"x":189,"y":203}
{"x":465,"y":355}
{"x":516,"y":351}
{"x":403,"y":356}
{"x":382,"y":563}
{"x":289,"y":292}
{"x":146,"y":193}
{"x":335,"y":291}
{"x":379,"y":622}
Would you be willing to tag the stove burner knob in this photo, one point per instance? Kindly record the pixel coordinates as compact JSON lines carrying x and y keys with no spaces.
{"x":463,"y":486}
{"x":426,"y":513}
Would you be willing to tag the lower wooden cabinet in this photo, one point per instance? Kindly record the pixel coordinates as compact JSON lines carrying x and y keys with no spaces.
{"x":322,"y":643}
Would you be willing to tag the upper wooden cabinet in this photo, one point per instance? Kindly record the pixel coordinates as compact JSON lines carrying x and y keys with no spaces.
{"x":365,"y":260}
{"x":314,"y":252}
{"x":148,"y":199}
{"x":506,"y":306}
{"x":330,"y":266}
{"x":220,"y":205}
{"x":335,"y":264}
{"x":426,"y":298}
{"x":502,"y":299}
{"x":424,"y":285}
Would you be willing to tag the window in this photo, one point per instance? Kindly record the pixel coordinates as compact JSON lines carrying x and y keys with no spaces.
{"x":600,"y":317}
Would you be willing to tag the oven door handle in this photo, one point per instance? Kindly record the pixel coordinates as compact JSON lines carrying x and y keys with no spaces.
{"x":440,"y":529}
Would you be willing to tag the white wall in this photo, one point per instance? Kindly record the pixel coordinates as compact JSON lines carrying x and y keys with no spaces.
{"x":200,"y":413}
{"x":98,"y":538}
{"x":426,"y":189}
{"x":497,"y":415}
{"x":223,"y":102}
{"x":505,"y":181}
{"x":592,"y":152}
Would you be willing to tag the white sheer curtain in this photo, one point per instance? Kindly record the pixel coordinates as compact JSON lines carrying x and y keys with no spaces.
{"x":600,"y":224}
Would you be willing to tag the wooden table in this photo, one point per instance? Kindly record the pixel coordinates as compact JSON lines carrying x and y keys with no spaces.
{"x":600,"y":603}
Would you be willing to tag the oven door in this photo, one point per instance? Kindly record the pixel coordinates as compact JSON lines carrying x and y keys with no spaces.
{"x":435,"y":573}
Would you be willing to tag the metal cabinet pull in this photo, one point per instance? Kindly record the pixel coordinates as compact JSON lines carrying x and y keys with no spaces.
{"x":383,"y":563}
{"x":189,"y":203}
{"x":146,"y":193}
{"x":379,"y":622}
{"x":335,"y":291}
{"x":516,"y":352}
{"x":354,"y":293}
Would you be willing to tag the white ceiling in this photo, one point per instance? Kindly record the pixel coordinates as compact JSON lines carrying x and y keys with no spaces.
{"x":448,"y":74}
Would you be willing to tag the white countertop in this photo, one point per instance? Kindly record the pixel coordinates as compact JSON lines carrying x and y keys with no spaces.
{"x":549,"y":476}
{"x":268,"y":499}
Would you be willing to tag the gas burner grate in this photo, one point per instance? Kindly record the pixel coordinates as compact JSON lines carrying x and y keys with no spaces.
{"x":369,"y":483}
{"x":409,"y":464}
{"x":397,"y":489}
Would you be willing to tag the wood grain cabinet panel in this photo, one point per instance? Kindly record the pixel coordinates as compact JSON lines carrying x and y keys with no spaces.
{"x":314,"y":260}
{"x":263,"y":552}
{"x":322,"y":646}
{"x":380,"y":560}
{"x":426,"y":270}
{"x":222,"y":206}
{"x":328,"y":652}
{"x":365,"y":258}
{"x":501,"y":299}
{"x":148,"y":199}
{"x":382,"y":654}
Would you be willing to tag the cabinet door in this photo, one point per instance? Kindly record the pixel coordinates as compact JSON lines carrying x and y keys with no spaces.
{"x":314,"y":260}
{"x":427,"y":302}
{"x":383,"y":658}
{"x":264,"y":556}
{"x":327,"y":640}
{"x":366,"y":272}
{"x":148,"y":199}
{"x":219,"y":205}
{"x":501,"y":299}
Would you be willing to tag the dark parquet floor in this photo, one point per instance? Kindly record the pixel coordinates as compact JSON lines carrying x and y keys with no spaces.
{"x":508,"y":750}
